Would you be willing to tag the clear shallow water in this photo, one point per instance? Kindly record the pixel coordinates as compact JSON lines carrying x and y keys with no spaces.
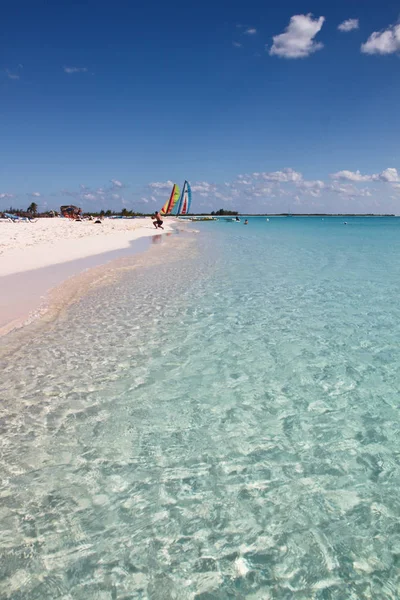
{"x":225,"y":426}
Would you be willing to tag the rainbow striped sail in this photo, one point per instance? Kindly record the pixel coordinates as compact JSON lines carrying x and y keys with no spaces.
{"x":169,"y":205}
{"x":185,"y":200}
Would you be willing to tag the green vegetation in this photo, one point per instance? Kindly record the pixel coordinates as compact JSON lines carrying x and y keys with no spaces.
{"x":32,"y":209}
{"x":112,"y":213}
{"x":222,"y":212}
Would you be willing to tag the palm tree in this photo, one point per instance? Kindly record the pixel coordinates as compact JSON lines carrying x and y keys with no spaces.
{"x":32,"y":208}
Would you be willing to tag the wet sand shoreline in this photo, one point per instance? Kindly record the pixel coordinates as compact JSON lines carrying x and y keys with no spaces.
{"x":45,"y":302}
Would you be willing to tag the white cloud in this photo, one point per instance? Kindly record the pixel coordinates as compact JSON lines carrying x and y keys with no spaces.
{"x":11,"y":75}
{"x":35,"y":194}
{"x":223,"y":197}
{"x":298,"y":39}
{"x":251,"y":31}
{"x":312,"y":187}
{"x":5,"y":196}
{"x":263,"y":191}
{"x":349,"y":25}
{"x":349,"y":190}
{"x":71,"y":70}
{"x":161,"y":185}
{"x":201,"y":186}
{"x":102,"y":197}
{"x":287,"y":175}
{"x":204,"y":188}
{"x":346,"y":190}
{"x":117,"y":183}
{"x":315,"y":184}
{"x":351,"y":176}
{"x":237,"y":44}
{"x":271,"y":190}
{"x":389,"y":175}
{"x":383,"y":42}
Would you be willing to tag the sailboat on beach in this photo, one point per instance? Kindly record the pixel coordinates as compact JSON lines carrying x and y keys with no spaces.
{"x":185,"y":200}
{"x":178,"y":204}
{"x":173,"y":199}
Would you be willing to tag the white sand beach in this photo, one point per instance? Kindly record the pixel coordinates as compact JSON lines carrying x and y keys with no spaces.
{"x":36,"y":257}
{"x":26,"y":246}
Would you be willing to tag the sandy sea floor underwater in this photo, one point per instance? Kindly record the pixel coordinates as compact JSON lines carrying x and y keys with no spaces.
{"x":217,"y":419}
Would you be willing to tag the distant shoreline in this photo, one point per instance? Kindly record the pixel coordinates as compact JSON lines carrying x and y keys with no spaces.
{"x":296,"y":215}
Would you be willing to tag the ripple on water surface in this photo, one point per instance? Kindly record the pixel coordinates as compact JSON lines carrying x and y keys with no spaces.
{"x":224,"y":426}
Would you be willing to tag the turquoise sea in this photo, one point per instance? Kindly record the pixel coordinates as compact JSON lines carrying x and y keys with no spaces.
{"x":221,"y":424}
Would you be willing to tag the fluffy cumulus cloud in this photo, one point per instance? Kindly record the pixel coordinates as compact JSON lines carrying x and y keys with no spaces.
{"x":71,"y":70}
{"x":117,"y":183}
{"x":389,"y":175}
{"x":275,"y":191}
{"x":348,"y":190}
{"x":383,"y":42}
{"x":298,"y":39}
{"x":350,"y":176}
{"x":280,"y":183}
{"x":161,"y":185}
{"x":312,"y":187}
{"x":203,"y":187}
{"x":284,"y":176}
{"x":261,"y":191}
{"x":98,"y":198}
{"x":349,"y":25}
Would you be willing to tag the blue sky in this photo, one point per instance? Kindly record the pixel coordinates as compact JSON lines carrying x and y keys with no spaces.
{"x":261,"y":106}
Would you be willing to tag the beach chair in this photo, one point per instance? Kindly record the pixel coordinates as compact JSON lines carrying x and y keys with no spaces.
{"x":16,"y":219}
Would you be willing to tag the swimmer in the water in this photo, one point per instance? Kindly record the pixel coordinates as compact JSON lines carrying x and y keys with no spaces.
{"x":246,"y":222}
